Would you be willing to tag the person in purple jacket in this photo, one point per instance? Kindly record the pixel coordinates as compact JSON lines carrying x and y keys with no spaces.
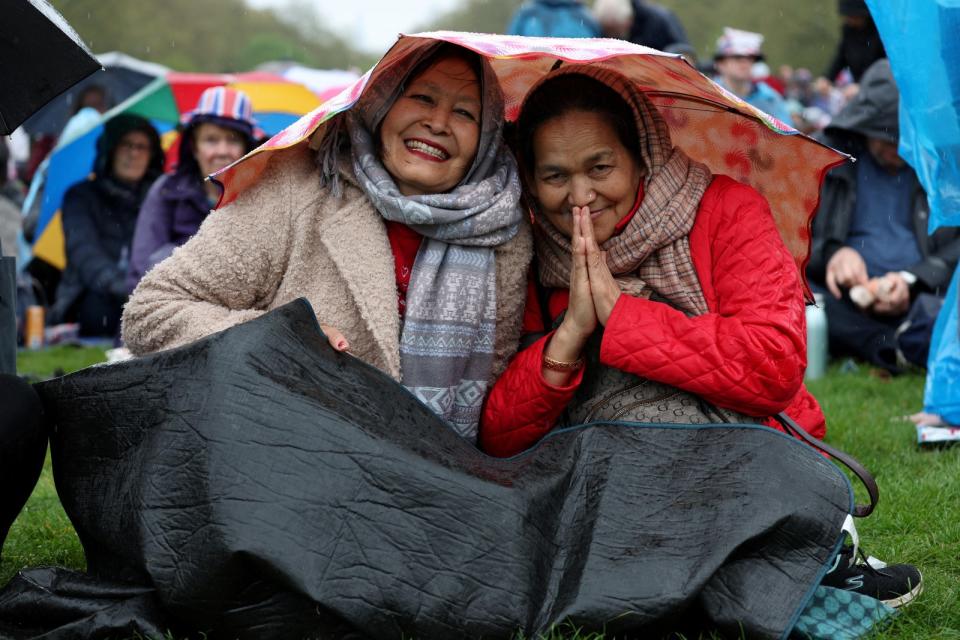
{"x":220,"y":130}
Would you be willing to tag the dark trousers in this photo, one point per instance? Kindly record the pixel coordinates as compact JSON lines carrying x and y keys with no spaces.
{"x":852,"y":332}
{"x":23,"y":445}
{"x":98,"y":314}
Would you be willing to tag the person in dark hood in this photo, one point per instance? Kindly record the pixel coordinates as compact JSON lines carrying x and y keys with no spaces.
{"x":219,"y":131}
{"x":860,"y":45}
{"x":871,"y":249}
{"x":99,"y":216}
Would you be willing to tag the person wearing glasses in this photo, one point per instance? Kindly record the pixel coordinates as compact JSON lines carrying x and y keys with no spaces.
{"x":99,"y":218}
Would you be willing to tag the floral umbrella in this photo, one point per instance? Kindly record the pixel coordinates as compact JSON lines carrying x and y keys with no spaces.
{"x":277,"y":103}
{"x":709,"y":123}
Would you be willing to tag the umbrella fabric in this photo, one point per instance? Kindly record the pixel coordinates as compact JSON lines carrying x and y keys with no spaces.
{"x":276,"y":104}
{"x":121,"y":77}
{"x":40,"y":57}
{"x":709,"y":123}
{"x":265,"y":486}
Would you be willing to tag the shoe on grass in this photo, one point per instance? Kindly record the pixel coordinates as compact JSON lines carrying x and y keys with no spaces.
{"x":896,"y":585}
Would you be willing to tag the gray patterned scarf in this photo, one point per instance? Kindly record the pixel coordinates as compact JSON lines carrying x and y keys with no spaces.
{"x":447,"y":339}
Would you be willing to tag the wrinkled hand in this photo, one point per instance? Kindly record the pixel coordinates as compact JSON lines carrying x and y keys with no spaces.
{"x":580,"y":320}
{"x":335,"y":338}
{"x":895,"y":300}
{"x":603,"y":286}
{"x":581,"y":317}
{"x":845,"y":269}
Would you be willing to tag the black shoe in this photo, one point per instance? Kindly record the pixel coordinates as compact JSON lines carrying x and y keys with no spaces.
{"x":895,"y":585}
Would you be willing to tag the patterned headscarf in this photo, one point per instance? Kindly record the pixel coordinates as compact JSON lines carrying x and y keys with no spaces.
{"x":652,"y":254}
{"x":447,"y":340}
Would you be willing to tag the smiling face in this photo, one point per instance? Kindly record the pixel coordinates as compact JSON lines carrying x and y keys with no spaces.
{"x":430,"y":135}
{"x":215,"y":147}
{"x":580,"y":161}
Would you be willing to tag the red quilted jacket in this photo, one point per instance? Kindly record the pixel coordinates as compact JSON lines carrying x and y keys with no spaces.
{"x":747,"y":354}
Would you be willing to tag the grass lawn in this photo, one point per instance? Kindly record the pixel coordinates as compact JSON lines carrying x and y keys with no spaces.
{"x":917,"y":520}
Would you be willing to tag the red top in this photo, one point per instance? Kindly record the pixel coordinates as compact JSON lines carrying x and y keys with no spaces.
{"x":748,"y":353}
{"x":405,"y":243}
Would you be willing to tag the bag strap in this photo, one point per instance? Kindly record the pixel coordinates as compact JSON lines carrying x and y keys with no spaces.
{"x":860,"y":510}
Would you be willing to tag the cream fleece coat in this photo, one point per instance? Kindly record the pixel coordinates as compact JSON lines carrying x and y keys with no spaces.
{"x":287,"y":238}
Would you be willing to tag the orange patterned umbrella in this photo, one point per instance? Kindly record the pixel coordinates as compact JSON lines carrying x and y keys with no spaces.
{"x":709,"y":123}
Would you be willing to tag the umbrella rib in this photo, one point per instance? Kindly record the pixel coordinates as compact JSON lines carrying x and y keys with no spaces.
{"x":687,"y":96}
{"x":729,"y":109}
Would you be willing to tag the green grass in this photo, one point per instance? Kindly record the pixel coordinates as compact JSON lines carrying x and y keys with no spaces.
{"x":917,"y":519}
{"x":54,"y":361}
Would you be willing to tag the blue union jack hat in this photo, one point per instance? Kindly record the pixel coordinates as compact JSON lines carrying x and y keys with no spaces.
{"x":225,"y":107}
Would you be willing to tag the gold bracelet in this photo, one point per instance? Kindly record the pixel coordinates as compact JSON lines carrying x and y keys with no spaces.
{"x":561,"y":365}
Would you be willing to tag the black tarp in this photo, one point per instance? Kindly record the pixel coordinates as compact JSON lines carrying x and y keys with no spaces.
{"x":264,"y":486}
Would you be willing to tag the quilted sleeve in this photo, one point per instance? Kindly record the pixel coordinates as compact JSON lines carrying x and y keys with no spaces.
{"x":522,"y":407}
{"x":749,"y":352}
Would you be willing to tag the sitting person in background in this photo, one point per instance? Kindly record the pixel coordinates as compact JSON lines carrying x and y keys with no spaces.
{"x":737,"y":52}
{"x":871,"y":249}
{"x":219,"y":131}
{"x":665,"y":293}
{"x":99,"y":217}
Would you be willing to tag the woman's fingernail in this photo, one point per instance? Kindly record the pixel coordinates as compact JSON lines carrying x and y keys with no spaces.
{"x":342,"y":345}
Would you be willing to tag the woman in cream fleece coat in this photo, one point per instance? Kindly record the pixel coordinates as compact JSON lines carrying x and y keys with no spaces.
{"x":337,"y":240}
{"x":288,"y":238}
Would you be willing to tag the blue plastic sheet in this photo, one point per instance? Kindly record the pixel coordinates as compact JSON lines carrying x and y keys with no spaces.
{"x":942,"y":393}
{"x":922,"y":39}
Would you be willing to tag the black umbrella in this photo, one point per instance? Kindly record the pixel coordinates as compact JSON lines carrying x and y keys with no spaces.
{"x":40,"y":57}
{"x":120,"y":78}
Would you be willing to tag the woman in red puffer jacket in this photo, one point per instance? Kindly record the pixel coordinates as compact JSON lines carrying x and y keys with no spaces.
{"x":652,"y":271}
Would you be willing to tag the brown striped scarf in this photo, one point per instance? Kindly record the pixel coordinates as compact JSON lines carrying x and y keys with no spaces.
{"x":652,"y":254}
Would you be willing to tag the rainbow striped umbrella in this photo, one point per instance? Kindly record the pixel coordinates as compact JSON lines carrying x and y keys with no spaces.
{"x":709,"y":123}
{"x":277,"y":103}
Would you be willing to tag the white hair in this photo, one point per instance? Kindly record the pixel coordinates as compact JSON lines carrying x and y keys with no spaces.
{"x":615,"y":11}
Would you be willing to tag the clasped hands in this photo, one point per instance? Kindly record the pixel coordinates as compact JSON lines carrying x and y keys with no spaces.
{"x":593,"y":291}
{"x":886,"y":295}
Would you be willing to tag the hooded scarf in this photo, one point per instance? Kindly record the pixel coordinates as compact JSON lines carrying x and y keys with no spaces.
{"x":652,"y":253}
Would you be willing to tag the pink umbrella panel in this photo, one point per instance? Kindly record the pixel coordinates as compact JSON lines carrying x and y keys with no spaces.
{"x":707,"y":122}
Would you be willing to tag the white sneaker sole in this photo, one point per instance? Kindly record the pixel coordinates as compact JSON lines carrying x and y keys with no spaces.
{"x":906,"y":598}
